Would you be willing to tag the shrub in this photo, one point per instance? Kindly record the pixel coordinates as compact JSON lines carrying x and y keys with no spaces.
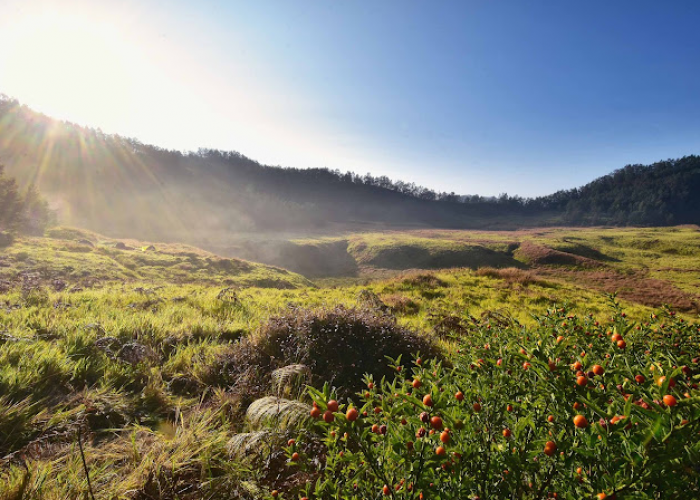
{"x":566,"y":410}
{"x":339,"y":345}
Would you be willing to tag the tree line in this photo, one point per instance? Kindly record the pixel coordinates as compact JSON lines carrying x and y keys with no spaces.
{"x":120,"y":186}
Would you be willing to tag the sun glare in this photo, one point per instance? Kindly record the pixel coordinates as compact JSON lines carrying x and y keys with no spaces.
{"x":70,"y":67}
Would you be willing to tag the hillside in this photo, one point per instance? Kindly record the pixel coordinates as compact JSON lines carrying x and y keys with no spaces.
{"x":653,"y":266}
{"x":74,"y":259}
{"x":664,"y":193}
{"x":123,"y":188}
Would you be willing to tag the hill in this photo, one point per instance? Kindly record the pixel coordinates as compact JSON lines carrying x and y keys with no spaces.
{"x":664,"y":193}
{"x":73,"y":259}
{"x":652,"y":266}
{"x":122,"y":188}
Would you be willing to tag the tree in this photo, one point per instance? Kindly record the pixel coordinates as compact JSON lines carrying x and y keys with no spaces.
{"x":35,"y":215}
{"x":10,"y":203}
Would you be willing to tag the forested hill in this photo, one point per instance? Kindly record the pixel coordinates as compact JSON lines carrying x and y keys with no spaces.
{"x":121,"y":187}
{"x":664,"y":193}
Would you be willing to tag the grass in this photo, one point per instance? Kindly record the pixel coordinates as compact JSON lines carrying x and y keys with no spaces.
{"x":134,"y":346}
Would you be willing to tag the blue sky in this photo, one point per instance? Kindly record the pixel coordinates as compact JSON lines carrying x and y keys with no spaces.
{"x":477,"y":97}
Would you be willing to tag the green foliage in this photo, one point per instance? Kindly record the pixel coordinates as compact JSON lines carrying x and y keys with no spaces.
{"x":28,"y":213}
{"x":509,"y":403}
{"x":10,"y":203}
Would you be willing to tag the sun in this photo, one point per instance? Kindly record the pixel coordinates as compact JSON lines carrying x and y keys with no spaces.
{"x":71,"y":67}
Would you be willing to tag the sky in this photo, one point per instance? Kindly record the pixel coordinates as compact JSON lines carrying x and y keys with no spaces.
{"x":476,"y":97}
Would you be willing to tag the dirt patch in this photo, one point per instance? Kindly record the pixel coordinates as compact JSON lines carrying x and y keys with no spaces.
{"x":540,"y":255}
{"x":635,"y":287}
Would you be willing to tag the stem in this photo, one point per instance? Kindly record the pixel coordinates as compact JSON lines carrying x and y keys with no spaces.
{"x":85,"y":467}
{"x":547,"y":481}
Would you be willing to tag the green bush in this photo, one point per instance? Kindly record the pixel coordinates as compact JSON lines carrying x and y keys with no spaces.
{"x":560,"y":411}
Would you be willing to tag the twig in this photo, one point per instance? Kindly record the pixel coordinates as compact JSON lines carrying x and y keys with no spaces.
{"x":82,"y":456}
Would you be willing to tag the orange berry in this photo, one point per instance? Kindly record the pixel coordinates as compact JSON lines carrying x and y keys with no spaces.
{"x":333,"y":405}
{"x":315,"y":412}
{"x":582,"y":381}
{"x":445,"y":437}
{"x":477,"y":407}
{"x":670,"y":400}
{"x":580,"y":421}
{"x":550,"y":448}
{"x":459,"y":396}
{"x":598,"y":370}
{"x":328,"y":416}
{"x":352,"y":414}
{"x":416,"y":383}
{"x":440,"y":451}
{"x":428,"y":400}
{"x":506,"y":433}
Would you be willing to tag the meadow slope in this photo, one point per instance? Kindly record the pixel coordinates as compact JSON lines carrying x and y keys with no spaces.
{"x":166,"y":363}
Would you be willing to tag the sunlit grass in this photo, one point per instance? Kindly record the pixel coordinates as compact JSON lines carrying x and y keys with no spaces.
{"x":122,"y":343}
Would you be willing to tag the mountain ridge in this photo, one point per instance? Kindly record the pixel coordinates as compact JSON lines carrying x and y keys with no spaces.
{"x":123,"y":188}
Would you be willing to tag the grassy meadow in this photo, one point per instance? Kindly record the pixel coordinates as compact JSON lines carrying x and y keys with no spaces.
{"x":138,"y":370}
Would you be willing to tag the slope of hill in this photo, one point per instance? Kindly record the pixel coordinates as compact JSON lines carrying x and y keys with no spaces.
{"x":120,"y":187}
{"x":664,"y":193}
{"x":652,"y":266}
{"x":74,"y":259}
{"x":123,"y":188}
